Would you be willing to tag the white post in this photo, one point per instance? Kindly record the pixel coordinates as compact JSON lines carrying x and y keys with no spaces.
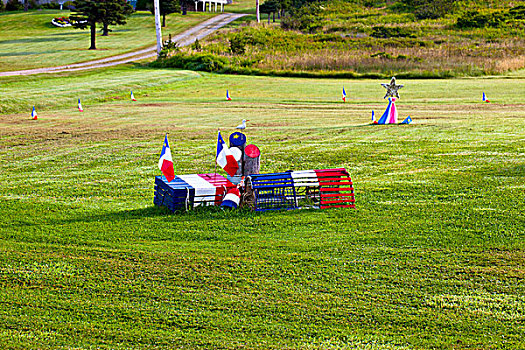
{"x":257,"y":11}
{"x":222,"y":7}
{"x":215,"y":6}
{"x":157,"y":26}
{"x":210,"y":6}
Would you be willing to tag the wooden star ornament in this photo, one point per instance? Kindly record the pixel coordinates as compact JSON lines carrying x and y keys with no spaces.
{"x":392,"y":88}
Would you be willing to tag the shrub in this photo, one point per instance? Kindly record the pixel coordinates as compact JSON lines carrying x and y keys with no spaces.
{"x":475,"y":19}
{"x":391,"y":32}
{"x":238,"y":44}
{"x":2,"y":7}
{"x":199,"y":62}
{"x":196,"y":45}
{"x":306,"y":18}
{"x":13,"y":5}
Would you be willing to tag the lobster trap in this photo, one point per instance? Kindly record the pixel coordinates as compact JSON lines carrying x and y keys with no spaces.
{"x":321,"y":189}
{"x":189,"y":191}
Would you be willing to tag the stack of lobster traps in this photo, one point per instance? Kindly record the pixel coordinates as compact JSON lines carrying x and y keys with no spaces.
{"x":320,"y":189}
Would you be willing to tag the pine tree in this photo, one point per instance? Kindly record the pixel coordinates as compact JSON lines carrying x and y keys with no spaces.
{"x":90,"y":12}
{"x":166,"y":7}
{"x":116,"y":13}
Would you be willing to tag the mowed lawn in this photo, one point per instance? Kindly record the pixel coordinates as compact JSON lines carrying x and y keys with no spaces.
{"x":433,"y":257}
{"x":29,"y":40}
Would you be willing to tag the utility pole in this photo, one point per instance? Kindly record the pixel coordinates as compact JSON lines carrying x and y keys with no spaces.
{"x":157,"y":26}
{"x":257,"y":11}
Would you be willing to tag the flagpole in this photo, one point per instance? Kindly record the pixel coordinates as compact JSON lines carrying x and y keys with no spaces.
{"x":218,"y":131}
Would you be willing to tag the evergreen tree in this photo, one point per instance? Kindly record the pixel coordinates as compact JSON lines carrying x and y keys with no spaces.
{"x":116,"y":13}
{"x":269,"y":7}
{"x":90,"y":12}
{"x":166,"y":7}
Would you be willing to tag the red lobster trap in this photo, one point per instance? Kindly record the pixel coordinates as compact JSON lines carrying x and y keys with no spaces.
{"x":321,"y":189}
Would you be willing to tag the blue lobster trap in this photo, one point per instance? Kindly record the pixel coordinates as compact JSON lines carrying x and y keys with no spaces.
{"x":189,"y":191}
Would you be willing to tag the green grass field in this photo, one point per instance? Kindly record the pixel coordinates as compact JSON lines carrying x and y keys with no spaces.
{"x":29,"y":40}
{"x":432,"y":258}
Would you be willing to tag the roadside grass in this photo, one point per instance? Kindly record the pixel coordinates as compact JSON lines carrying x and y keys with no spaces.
{"x":29,"y":40}
{"x":432,"y":258}
{"x":241,"y":6}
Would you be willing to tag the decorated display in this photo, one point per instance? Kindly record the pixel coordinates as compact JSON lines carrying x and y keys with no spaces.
{"x":245,"y":187}
{"x":390,"y":116}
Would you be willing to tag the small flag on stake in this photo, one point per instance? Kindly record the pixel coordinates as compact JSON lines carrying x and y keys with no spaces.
{"x":132,"y":96}
{"x":166,"y":162}
{"x":34,"y":116}
{"x":407,"y":120}
{"x":80,"y":109}
{"x":485,"y":99}
{"x":344,"y":94}
{"x":374,"y":121}
{"x":228,"y":98}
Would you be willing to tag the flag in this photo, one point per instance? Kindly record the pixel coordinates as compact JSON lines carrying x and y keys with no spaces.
{"x":132,"y":96}
{"x":374,"y":121}
{"x":228,"y":98}
{"x":390,"y":115}
{"x":166,"y":162}
{"x":33,"y":114}
{"x":225,"y":158}
{"x":344,"y":94}
{"x":80,"y":106}
{"x":485,"y":99}
{"x":407,"y":120}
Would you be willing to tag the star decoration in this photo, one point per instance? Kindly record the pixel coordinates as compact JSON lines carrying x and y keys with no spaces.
{"x":392,"y":88}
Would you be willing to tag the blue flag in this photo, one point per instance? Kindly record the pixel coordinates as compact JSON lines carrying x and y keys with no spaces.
{"x":407,"y":120}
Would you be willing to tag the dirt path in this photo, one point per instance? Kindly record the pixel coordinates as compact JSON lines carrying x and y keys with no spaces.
{"x":185,"y":38}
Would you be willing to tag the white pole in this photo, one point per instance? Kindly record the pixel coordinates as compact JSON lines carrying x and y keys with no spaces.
{"x":257,"y":11}
{"x":157,"y":26}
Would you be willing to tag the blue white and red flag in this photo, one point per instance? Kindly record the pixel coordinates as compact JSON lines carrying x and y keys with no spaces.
{"x":132,"y":96}
{"x":228,"y":98}
{"x":225,"y":158}
{"x":80,"y":106}
{"x":166,"y":162}
{"x":485,"y":99}
{"x":344,"y":94}
{"x":33,"y":114}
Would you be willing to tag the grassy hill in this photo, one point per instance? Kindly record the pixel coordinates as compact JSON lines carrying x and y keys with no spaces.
{"x":432,"y":258}
{"x":364,"y":38}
